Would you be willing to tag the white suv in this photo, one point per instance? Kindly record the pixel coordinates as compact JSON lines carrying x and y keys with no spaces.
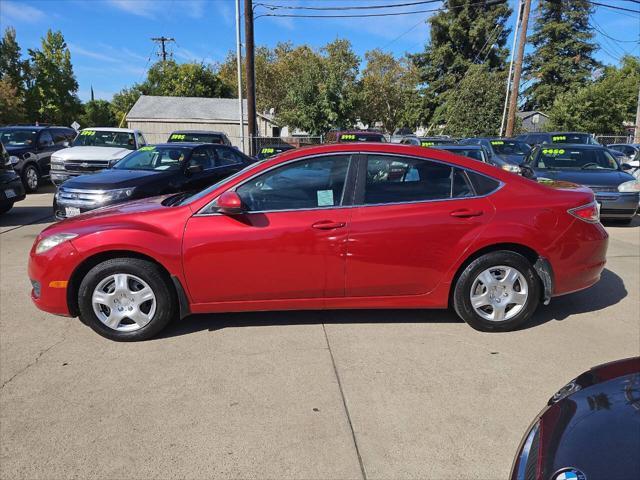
{"x":94,"y":149}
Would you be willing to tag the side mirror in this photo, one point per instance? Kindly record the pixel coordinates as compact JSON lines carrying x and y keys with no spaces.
{"x":626,"y":166}
{"x":65,"y":143}
{"x":191,"y":169}
{"x":230,"y":203}
{"x":527,"y":172}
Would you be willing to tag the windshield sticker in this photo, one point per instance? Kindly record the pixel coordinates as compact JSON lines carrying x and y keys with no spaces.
{"x":558,"y":138}
{"x":325,"y":198}
{"x":553,"y":151}
{"x":146,"y":149}
{"x":497,"y":142}
{"x":348,"y":136}
{"x":427,"y":144}
{"x":268,"y":150}
{"x":88,"y":132}
{"x":178,"y":136}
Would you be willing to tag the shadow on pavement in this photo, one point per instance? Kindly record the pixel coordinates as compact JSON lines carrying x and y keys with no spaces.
{"x":20,"y":215}
{"x":612,"y":223}
{"x":608,"y":291}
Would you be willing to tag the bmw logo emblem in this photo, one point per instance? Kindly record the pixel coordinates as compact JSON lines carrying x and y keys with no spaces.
{"x":569,"y":474}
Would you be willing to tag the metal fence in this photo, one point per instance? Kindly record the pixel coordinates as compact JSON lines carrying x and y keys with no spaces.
{"x":260,"y":142}
{"x":612,"y":139}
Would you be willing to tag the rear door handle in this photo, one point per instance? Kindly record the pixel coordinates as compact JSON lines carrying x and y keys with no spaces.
{"x":465,"y":213}
{"x":328,"y":225}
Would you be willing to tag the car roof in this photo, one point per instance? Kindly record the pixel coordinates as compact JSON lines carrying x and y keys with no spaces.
{"x":214,"y":132}
{"x":361,"y":132}
{"x":186,"y":144}
{"x":111,"y":129}
{"x":33,"y":127}
{"x":572,"y":145}
{"x":459,"y":146}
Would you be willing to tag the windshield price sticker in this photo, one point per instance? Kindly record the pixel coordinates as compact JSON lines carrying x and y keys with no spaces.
{"x":268,"y":150}
{"x":89,"y":133}
{"x":178,"y":136}
{"x":553,"y":151}
{"x":146,"y":149}
{"x":427,"y":144}
{"x":497,"y":142}
{"x":348,"y":136}
{"x":558,"y":138}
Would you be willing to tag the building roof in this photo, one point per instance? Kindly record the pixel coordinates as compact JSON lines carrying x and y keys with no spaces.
{"x":186,"y":108}
{"x":530,"y":113}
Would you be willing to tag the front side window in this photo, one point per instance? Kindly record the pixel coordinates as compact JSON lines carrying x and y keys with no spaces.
{"x":46,"y":140}
{"x":305,"y":184}
{"x":226,"y":157}
{"x":399,"y":179}
{"x":105,"y":138}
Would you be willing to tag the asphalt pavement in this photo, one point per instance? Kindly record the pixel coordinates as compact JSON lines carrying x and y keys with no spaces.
{"x":290,"y":395}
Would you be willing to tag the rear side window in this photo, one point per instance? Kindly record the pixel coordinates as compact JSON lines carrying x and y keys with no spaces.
{"x":481,"y":184}
{"x":226,"y":156}
{"x":400,"y":180}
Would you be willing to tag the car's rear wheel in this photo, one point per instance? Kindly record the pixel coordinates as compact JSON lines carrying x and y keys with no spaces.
{"x":498,"y":291}
{"x":126,"y":299}
{"x":31,"y":178}
{"x":6,"y":208}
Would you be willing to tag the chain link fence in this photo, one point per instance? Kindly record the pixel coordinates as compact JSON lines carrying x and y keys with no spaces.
{"x":261,"y":142}
{"x":613,"y":139}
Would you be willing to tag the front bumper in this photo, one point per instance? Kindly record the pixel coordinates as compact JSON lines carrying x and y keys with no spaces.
{"x":617,"y":205}
{"x":11,"y":192}
{"x":49,"y":273}
{"x":80,"y":201}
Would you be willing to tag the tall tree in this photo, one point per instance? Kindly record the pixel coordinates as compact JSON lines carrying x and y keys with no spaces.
{"x":562,"y":58}
{"x":602,"y":106}
{"x":13,"y":75}
{"x":97,"y":113}
{"x":339,"y":89}
{"x":55,"y":86}
{"x":464,"y":33}
{"x":388,"y":89}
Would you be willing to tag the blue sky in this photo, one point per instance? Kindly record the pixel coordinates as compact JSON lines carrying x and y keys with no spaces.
{"x":111,"y":47}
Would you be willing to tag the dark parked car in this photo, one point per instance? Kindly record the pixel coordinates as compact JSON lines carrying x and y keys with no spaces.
{"x":631,"y":152}
{"x":147,"y":172}
{"x":11,"y":189}
{"x":538,"y":138}
{"x":30,"y":150}
{"x":477,"y":152}
{"x":505,"y":153}
{"x":199,"y":136}
{"x":270,"y":150}
{"x":354,"y":136}
{"x":589,"y":430}
{"x":616,"y":191}
{"x":427,"y":141}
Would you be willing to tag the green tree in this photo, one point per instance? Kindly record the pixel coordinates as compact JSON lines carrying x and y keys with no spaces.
{"x":11,"y":103}
{"x":54,"y":83}
{"x":562,"y":58}
{"x":339,"y":89}
{"x":388,"y":90}
{"x":464,"y":33}
{"x":13,"y":75}
{"x":476,"y":109}
{"x":97,"y":113}
{"x":122,"y":102}
{"x":602,"y":106}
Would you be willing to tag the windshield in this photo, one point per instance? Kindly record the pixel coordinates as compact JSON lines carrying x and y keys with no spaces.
{"x":361,"y":137}
{"x":573,"y":159}
{"x":105,"y":138}
{"x":579,"y":138}
{"x":196,"y":137}
{"x":430,"y":142}
{"x":153,"y":158}
{"x":510,"y":147}
{"x":475,"y":154}
{"x":18,"y":137}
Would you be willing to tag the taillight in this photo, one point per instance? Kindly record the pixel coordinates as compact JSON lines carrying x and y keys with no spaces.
{"x":589,"y":213}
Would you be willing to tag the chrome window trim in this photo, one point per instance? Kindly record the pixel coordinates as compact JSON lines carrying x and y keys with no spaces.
{"x":200,"y":213}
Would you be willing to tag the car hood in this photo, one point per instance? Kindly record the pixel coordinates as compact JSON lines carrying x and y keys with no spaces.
{"x":589,"y":178}
{"x":17,"y":151}
{"x":92,"y":153}
{"x":116,"y":178}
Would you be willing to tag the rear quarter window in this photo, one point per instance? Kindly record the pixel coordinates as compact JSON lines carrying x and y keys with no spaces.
{"x":482,"y":185}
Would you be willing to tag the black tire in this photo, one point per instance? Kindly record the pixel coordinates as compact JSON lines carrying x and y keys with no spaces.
{"x":6,"y":208}
{"x":30,"y":174}
{"x":464,"y":284}
{"x":152,"y":274}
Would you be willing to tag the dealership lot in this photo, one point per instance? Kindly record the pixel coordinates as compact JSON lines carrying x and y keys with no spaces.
{"x":346,"y":394}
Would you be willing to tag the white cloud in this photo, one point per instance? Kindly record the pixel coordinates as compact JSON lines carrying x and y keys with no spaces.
{"x":154,"y":9}
{"x":142,"y":8}
{"x":77,"y":50}
{"x":20,"y":12}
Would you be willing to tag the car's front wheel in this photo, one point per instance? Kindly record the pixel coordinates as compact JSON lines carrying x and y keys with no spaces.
{"x":126,"y":299}
{"x":498,"y":291}
{"x":31,"y":178}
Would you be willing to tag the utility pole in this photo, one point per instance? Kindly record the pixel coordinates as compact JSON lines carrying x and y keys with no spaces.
{"x":515,"y":87}
{"x":239,"y":66}
{"x":251,"y":75}
{"x":163,"y":41}
{"x":636,"y":135}
{"x":513,"y":50}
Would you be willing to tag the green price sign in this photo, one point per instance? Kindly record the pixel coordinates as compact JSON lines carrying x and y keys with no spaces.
{"x":88,"y":133}
{"x":427,"y":144}
{"x":146,"y":149}
{"x":348,"y":136}
{"x":552,"y":152}
{"x":268,"y":150}
{"x":497,"y":142}
{"x":178,"y":136}
{"x":558,"y":138}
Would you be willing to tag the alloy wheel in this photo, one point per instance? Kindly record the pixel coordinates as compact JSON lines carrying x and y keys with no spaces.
{"x":124,"y":302}
{"x":32,"y":178}
{"x":499,"y":293}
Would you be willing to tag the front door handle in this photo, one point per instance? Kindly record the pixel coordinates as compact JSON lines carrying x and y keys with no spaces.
{"x":466,"y":213}
{"x":328,"y":225}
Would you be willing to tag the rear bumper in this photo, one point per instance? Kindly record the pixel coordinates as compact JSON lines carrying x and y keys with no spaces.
{"x":11,"y":192}
{"x":618,"y":205}
{"x":49,"y":273}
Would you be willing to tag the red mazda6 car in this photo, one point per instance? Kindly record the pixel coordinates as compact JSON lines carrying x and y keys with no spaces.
{"x":334,"y":226}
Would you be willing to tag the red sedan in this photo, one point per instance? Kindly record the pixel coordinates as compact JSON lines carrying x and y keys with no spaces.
{"x":328,"y":227}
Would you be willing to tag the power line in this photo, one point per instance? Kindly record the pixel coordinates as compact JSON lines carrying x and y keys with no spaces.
{"x":614,"y":7}
{"x":359,"y":7}
{"x":407,"y":31}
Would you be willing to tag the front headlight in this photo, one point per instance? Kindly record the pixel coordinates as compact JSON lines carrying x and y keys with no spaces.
{"x":56,"y":160}
{"x":511,"y":168}
{"x":13,"y":159}
{"x":54,"y":240}
{"x":115,"y":195}
{"x":632,"y":186}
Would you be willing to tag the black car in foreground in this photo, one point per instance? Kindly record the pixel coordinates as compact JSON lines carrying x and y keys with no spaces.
{"x":147,"y":172}
{"x":589,"y":430}
{"x":269,"y":151}
{"x":11,"y":189}
{"x":30,"y":149}
{"x":616,"y":191}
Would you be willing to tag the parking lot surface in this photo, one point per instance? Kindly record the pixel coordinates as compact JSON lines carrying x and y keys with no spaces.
{"x":290,"y":395}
